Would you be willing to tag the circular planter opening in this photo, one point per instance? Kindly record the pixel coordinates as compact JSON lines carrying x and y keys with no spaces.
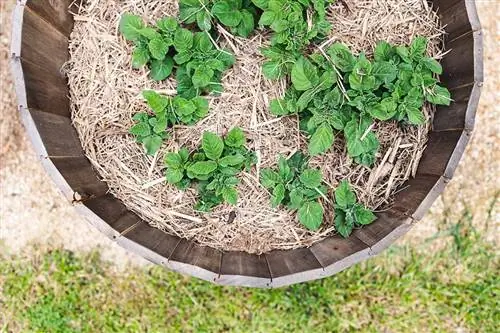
{"x":41,"y":32}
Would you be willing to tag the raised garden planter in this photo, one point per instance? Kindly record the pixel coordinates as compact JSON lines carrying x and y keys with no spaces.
{"x":41,"y":32}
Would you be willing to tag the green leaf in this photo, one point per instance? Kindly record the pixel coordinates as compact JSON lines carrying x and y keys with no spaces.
{"x":433,"y":65}
{"x":204,"y":20}
{"x":278,"y":195}
{"x":343,"y":227}
{"x":418,"y":47}
{"x":235,"y":138}
{"x":278,"y":107}
{"x":152,"y":144}
{"x":156,"y":102}
{"x":284,"y":169}
{"x":141,"y":129}
{"x":201,"y":106}
{"x":344,"y":196}
{"x":140,"y":56}
{"x":267,"y":18}
{"x":321,"y":140}
{"x":227,"y":13}
{"x":203,"y":43}
{"x":230,"y":195}
{"x":311,"y":215}
{"x":384,"y":110}
{"x":174,"y":161}
{"x":202,"y":77}
{"x":363,"y":216}
{"x":183,"y":40}
{"x":161,"y":69}
{"x":232,"y":160}
{"x":311,"y":178}
{"x":212,"y":145}
{"x":439,"y":96}
{"x":183,"y":107}
{"x":174,"y":176}
{"x":383,"y":51}
{"x":272,"y":70}
{"x":342,"y":57}
{"x":403,"y":52}
{"x":296,"y":199}
{"x":167,"y":24}
{"x":415,"y":116}
{"x":130,"y":26}
{"x":202,"y":168}
{"x":304,"y":75}
{"x":158,"y":48}
{"x":247,"y":24}
{"x":269,"y":178}
{"x":385,"y":72}
{"x":149,"y":33}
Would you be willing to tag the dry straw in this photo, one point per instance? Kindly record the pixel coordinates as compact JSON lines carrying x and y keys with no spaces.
{"x":106,"y":93}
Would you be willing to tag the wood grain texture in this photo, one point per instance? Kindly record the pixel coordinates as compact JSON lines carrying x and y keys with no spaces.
{"x":418,"y":194}
{"x":389,"y":226}
{"x":462,"y":111}
{"x":39,"y":50}
{"x":45,"y":90}
{"x":57,"y":134}
{"x":56,"y":13}
{"x":80,"y":176}
{"x":443,"y":152}
{"x":202,"y":256}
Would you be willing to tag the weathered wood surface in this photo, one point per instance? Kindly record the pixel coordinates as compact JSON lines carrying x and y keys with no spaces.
{"x":41,"y":29}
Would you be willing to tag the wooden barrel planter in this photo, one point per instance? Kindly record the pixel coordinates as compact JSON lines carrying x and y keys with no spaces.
{"x":40,"y":37}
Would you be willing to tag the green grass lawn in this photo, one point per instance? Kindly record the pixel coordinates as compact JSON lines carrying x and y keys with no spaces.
{"x":404,"y":290}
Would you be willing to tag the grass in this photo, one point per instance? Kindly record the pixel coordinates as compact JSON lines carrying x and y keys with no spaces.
{"x":404,"y":290}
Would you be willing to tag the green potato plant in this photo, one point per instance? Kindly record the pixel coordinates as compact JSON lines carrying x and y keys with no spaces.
{"x":152,"y":129}
{"x":213,"y":168}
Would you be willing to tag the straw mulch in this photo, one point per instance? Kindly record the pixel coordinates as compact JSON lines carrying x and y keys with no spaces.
{"x":106,"y":93}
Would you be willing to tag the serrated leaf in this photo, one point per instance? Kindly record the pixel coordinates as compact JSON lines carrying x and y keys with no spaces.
{"x":227,"y":13}
{"x":130,"y":26}
{"x":321,"y":140}
{"x":202,"y":168}
{"x":344,"y":196}
{"x":278,"y":195}
{"x":235,"y":138}
{"x":212,"y":145}
{"x":174,"y":175}
{"x":158,"y":48}
{"x":311,"y":178}
{"x":311,"y":215}
{"x":230,"y":195}
{"x":304,"y":74}
{"x":161,"y":69}
{"x":363,"y":216}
